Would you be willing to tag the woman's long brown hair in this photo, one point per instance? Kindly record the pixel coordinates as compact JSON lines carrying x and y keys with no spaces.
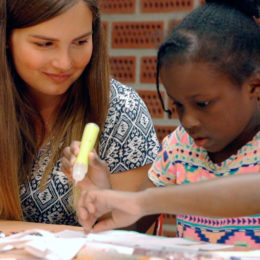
{"x":86,"y":100}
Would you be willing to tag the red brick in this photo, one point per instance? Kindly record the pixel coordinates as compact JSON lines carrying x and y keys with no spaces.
{"x":123,"y":68}
{"x":137,"y":34}
{"x":169,"y":233}
{"x":169,"y":219}
{"x":105,"y":26}
{"x":163,"y":131}
{"x":172,"y":24}
{"x":118,"y":6}
{"x":166,"y":6}
{"x":105,"y":30}
{"x":148,"y":69}
{"x":152,"y":102}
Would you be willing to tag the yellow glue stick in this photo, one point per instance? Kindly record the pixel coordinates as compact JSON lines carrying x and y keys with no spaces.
{"x":88,"y":141}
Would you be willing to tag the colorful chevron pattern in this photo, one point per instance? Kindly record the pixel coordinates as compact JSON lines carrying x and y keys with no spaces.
{"x":180,"y":161}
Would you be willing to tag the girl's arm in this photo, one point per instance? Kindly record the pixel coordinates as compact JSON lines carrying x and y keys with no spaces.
{"x":225,"y":197}
{"x":230,"y":196}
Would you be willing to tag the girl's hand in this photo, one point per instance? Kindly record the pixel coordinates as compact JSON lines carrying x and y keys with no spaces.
{"x":124,"y":209}
{"x":98,"y":175}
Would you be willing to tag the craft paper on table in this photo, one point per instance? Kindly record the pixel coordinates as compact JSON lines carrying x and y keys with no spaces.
{"x":135,"y":239}
{"x":43,"y":244}
{"x":66,"y":244}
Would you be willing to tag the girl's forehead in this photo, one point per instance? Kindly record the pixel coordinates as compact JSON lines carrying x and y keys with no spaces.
{"x":194,"y":79}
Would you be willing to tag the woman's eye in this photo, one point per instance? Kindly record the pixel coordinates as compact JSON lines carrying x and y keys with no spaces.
{"x":81,"y":42}
{"x":43,"y":44}
{"x":203,"y":104}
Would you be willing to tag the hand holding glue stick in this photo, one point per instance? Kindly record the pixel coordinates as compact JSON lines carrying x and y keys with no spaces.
{"x":88,"y":141}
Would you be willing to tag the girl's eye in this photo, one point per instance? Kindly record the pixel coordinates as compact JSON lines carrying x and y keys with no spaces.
{"x":43,"y":44}
{"x":202,"y":104}
{"x":177,"y":104}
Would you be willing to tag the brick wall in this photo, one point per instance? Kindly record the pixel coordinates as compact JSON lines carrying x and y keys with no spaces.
{"x":135,"y":29}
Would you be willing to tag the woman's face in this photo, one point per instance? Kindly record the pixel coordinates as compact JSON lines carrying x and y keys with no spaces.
{"x":51,"y":55}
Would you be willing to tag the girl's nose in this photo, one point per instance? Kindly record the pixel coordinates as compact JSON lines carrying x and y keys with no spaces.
{"x":62,"y":61}
{"x":189,"y":121}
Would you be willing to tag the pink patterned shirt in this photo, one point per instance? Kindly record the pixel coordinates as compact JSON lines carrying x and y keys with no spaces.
{"x":180,"y":161}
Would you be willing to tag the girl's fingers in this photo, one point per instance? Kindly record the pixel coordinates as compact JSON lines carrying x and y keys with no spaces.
{"x":82,"y":213}
{"x":82,"y":199}
{"x":88,"y":223}
{"x":90,"y":207}
{"x":103,"y":225}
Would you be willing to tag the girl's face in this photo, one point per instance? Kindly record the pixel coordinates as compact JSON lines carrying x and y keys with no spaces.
{"x":51,"y":55}
{"x":217,"y":114}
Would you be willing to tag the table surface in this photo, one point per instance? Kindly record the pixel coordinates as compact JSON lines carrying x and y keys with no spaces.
{"x":9,"y":227}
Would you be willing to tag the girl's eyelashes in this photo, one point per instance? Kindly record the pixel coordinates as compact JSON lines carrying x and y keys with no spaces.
{"x":200,"y":104}
{"x":203,"y":104}
{"x":177,"y":104}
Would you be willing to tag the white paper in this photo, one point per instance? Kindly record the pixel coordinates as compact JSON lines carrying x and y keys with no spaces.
{"x":66,"y":244}
{"x":240,"y":255}
{"x":43,"y":244}
{"x":134,"y":239}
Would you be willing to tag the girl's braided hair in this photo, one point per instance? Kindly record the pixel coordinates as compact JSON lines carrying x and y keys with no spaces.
{"x":222,"y":33}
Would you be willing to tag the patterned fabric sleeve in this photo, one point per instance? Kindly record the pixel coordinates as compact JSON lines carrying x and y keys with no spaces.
{"x":163,"y":170}
{"x":129,"y":139}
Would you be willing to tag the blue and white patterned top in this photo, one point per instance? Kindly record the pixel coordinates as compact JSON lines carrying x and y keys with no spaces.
{"x":128,"y":141}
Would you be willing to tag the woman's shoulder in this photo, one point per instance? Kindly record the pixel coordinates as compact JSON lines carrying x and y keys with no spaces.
{"x":121,"y":91}
{"x":129,"y":138}
{"x":125,"y":101}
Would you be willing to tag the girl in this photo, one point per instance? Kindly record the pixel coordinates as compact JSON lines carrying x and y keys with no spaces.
{"x":210,"y":68}
{"x":54,"y":79}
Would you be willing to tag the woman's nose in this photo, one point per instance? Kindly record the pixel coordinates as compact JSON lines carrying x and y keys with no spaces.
{"x":62,"y":60}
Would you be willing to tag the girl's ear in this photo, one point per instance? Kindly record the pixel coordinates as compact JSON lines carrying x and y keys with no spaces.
{"x":254,"y":84}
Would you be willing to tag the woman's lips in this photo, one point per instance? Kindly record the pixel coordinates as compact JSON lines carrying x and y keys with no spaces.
{"x":58,"y":78}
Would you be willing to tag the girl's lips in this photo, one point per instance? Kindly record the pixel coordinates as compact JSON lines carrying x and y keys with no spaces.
{"x":201,"y":141}
{"x":59,"y":78}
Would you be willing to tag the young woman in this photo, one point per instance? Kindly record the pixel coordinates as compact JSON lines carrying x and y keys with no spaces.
{"x":55,"y":79}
